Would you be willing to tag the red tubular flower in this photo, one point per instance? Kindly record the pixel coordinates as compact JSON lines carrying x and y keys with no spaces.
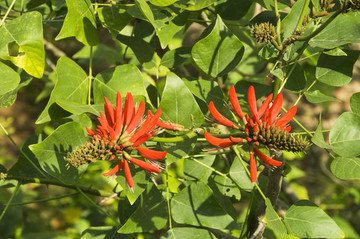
{"x":263,"y":127}
{"x":123,"y":131}
{"x":253,"y":168}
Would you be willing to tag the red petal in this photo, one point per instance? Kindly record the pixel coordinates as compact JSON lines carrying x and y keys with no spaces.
{"x":151,"y":154}
{"x":112,"y":133}
{"x":236,"y":140}
{"x":219,"y":117}
{"x":136,"y":119}
{"x":286,"y":118}
{"x":267,"y":159}
{"x":235,"y":102}
{"x":287,"y":129}
{"x":109,"y":112}
{"x":90,"y":131}
{"x":129,"y":108}
{"x":116,"y":169}
{"x":252,"y":104}
{"x":145,"y":137}
{"x":118,"y":107}
{"x":217,"y":141}
{"x":253,"y":168}
{"x":148,"y":125}
{"x":265,"y":105}
{"x":275,"y":108}
{"x":103,"y":121}
{"x":128,"y":174}
{"x":145,"y":165}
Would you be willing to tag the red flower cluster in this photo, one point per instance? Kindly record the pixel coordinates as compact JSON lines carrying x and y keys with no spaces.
{"x":263,"y":127}
{"x":125,"y":130}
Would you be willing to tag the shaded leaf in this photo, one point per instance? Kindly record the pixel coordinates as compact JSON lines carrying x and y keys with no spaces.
{"x":189,"y":208}
{"x":150,"y":215}
{"x":345,"y":135}
{"x":178,"y":104}
{"x":346,"y":168}
{"x":80,"y":23}
{"x":52,"y":151}
{"x":105,"y":232}
{"x":115,"y":18}
{"x":142,"y":50}
{"x":27,"y":32}
{"x":188,"y":232}
{"x":9,"y":98}
{"x":72,"y":85}
{"x":305,"y":219}
{"x":197,"y":170}
{"x":177,"y":150}
{"x":336,"y":70}
{"x":176,"y":57}
{"x":273,"y":219}
{"x":219,"y":52}
{"x":297,"y":80}
{"x":123,"y":78}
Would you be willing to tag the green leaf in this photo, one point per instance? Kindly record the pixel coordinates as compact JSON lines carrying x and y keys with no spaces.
{"x":297,"y":80}
{"x":199,"y":169}
{"x":27,"y":32}
{"x":105,"y":232}
{"x":9,"y":79}
{"x":188,"y":232}
{"x":233,"y":9}
{"x":291,"y":20}
{"x":142,"y":50}
{"x":219,"y":52}
{"x":195,"y":205}
{"x":102,"y":54}
{"x":178,"y":104}
{"x":345,"y":135}
{"x":150,"y":215}
{"x":273,"y":219}
{"x":336,"y":70}
{"x":176,"y":151}
{"x":24,"y":168}
{"x":207,"y":91}
{"x":123,"y":79}
{"x":335,"y":52}
{"x":318,"y":137}
{"x":317,"y":97}
{"x":77,"y":109}
{"x":355,"y":103}
{"x":140,"y":179}
{"x":346,"y":168}
{"x":146,"y":10}
{"x":223,"y":188}
{"x":305,"y":219}
{"x":72,"y":85}
{"x":80,"y":23}
{"x":195,"y":5}
{"x":344,"y":29}
{"x":162,"y":3}
{"x":176,"y":57}
{"x":52,"y":151}
{"x":115,"y":18}
{"x":239,"y":175}
{"x":9,"y":98}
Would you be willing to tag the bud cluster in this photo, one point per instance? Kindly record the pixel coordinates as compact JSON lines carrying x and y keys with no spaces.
{"x":263,"y":32}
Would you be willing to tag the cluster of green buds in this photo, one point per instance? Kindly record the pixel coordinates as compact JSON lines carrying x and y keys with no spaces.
{"x":326,"y":4}
{"x":263,"y":32}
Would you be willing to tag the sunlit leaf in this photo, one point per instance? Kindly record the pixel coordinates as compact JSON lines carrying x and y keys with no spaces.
{"x":346,"y":168}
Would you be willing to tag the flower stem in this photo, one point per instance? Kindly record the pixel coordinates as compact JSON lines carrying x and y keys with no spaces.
{"x":22,"y":152}
{"x":278,"y":24}
{"x":302,"y":16}
{"x":247,"y":170}
{"x":11,"y":198}
{"x":98,"y":207}
{"x":7,"y":12}
{"x":318,"y":30}
{"x":175,"y":139}
{"x":90,"y":75}
{"x":211,"y":168}
{"x":94,"y":192}
{"x":168,"y":195}
{"x":44,"y":200}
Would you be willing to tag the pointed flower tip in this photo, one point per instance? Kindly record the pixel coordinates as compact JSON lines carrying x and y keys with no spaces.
{"x":252,"y":102}
{"x":219,"y":117}
{"x":267,"y":159}
{"x":218,"y":141}
{"x":235,"y":102}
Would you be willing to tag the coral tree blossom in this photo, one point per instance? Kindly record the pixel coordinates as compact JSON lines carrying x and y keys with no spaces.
{"x":262,"y":127}
{"x":124,"y":130}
